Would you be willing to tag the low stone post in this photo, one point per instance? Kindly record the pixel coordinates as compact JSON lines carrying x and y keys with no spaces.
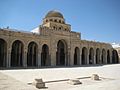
{"x":74,"y":81}
{"x":95,"y":77}
{"x":38,"y":83}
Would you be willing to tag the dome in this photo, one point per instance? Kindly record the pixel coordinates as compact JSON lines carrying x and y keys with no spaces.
{"x":54,"y":14}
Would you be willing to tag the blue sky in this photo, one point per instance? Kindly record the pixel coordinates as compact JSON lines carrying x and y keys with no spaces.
{"x":97,"y":20}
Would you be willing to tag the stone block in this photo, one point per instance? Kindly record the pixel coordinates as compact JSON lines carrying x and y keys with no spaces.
{"x":95,"y":77}
{"x":74,"y":81}
{"x":38,"y":83}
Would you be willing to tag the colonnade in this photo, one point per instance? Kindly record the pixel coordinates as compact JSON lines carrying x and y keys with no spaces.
{"x":19,"y":56}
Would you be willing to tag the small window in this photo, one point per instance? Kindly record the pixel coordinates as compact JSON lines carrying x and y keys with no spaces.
{"x":55,"y":20}
{"x":46,"y":20}
{"x":59,"y":21}
{"x":51,"y":20}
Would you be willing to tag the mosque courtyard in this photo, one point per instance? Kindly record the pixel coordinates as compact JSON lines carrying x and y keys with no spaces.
{"x":57,"y":78}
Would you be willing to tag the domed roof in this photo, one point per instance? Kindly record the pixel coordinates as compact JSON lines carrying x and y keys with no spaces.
{"x":54,"y":14}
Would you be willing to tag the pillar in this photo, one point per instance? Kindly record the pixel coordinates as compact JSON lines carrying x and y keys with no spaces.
{"x":39,"y":58}
{"x":53,"y":57}
{"x":68,"y":59}
{"x":25,"y":57}
{"x":105,"y":58}
{"x":72,"y":58}
{"x":88,"y":58}
{"x":111,"y":57}
{"x":8,"y":58}
{"x":94,"y":57}
{"x":80,"y":59}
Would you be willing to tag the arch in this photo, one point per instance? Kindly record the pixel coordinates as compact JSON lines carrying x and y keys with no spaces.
{"x":17,"y":54}
{"x":32,"y":54}
{"x":45,"y":55}
{"x":84,"y":56}
{"x":97,"y":56}
{"x":103,"y":57}
{"x":91,"y":56}
{"x":108,"y":56}
{"x":61,"y":54}
{"x":115,"y":58}
{"x":59,"y":21}
{"x":3,"y":52}
{"x":76,"y":56}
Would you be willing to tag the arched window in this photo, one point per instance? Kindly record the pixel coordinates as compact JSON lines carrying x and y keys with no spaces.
{"x":46,"y":20}
{"x":59,"y":21}
{"x":55,"y":20}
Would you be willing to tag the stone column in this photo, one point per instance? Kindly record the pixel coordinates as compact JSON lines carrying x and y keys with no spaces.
{"x":80,"y":56}
{"x":105,"y":58}
{"x":53,"y":57}
{"x":71,"y":57}
{"x":8,"y":58}
{"x":111,"y":57}
{"x":100,"y":59}
{"x":80,"y":59}
{"x":88,"y":58}
{"x":25,"y":57}
{"x":39,"y":56}
{"x":39,"y":59}
{"x":94,"y":59}
{"x":68,"y":61}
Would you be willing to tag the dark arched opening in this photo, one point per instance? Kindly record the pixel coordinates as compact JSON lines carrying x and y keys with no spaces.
{"x":97,"y":56}
{"x":32,"y":54}
{"x":3,"y":52}
{"x":84,"y":56}
{"x":108,"y":56}
{"x":17,"y":54}
{"x":115,"y":58}
{"x":103,"y":58}
{"x":76,"y":56}
{"x":61,"y":53}
{"x":91,"y":56}
{"x":45,"y":61}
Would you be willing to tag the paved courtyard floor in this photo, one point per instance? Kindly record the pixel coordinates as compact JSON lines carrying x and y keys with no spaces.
{"x":56,"y":78}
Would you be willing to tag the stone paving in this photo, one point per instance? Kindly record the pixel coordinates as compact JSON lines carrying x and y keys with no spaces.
{"x":9,"y":83}
{"x":57,"y":78}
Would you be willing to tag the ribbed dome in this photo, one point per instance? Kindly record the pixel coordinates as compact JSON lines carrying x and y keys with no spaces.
{"x":54,"y":14}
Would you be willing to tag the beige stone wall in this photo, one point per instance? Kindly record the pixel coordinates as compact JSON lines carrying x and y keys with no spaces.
{"x":51,"y":38}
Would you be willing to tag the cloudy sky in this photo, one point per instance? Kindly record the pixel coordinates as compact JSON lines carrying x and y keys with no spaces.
{"x":97,"y":20}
